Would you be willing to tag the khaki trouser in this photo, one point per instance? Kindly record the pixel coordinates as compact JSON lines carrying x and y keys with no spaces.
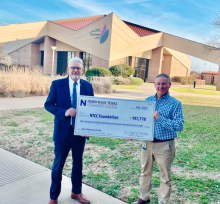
{"x":163,"y":153}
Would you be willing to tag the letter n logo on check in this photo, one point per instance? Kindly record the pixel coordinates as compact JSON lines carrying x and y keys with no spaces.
{"x":83,"y":103}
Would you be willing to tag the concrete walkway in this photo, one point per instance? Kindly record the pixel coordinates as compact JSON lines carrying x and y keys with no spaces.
{"x":25,"y":182}
{"x":147,"y":89}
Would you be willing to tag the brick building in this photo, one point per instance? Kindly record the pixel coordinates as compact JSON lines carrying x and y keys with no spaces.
{"x":101,"y":41}
{"x":210,"y":77}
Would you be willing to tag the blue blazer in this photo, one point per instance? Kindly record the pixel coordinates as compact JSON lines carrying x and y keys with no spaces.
{"x":57,"y":103}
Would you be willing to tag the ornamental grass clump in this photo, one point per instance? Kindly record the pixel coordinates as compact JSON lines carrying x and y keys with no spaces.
{"x":19,"y":82}
{"x":121,"y":81}
{"x":102,"y":84}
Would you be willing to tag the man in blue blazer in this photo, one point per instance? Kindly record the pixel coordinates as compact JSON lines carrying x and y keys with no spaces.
{"x":62,"y":102}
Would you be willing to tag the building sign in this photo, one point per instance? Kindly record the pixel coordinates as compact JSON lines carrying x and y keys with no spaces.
{"x":95,"y":33}
{"x":104,"y":33}
{"x":101,"y":34}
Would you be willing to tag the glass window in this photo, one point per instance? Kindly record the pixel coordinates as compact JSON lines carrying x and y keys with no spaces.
{"x":70,"y":55}
{"x":136,"y":62}
{"x":127,"y":60}
{"x":87,"y":61}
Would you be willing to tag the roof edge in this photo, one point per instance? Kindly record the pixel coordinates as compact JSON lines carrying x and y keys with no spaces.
{"x":81,"y":18}
{"x":212,"y":73}
{"x":150,"y":29}
{"x":70,"y":19}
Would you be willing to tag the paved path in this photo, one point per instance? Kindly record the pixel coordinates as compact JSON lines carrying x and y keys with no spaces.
{"x":25,"y":182}
{"x":147,"y":89}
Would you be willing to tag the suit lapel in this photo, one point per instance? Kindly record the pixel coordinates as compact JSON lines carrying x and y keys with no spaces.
{"x":82,"y":87}
{"x":66,"y":89}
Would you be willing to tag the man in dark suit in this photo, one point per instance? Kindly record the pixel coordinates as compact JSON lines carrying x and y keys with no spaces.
{"x":62,"y":102}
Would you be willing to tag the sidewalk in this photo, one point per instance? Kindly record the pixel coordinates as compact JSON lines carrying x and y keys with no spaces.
{"x":147,"y":89}
{"x":25,"y":182}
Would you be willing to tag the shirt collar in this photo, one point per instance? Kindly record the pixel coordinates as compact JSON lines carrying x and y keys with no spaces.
{"x":71,"y":82}
{"x":164,"y":97}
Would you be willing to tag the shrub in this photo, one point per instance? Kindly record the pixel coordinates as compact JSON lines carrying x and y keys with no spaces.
{"x":183,"y":80}
{"x":98,"y":72}
{"x":136,"y":81}
{"x":122,"y":69}
{"x":122,"y":81}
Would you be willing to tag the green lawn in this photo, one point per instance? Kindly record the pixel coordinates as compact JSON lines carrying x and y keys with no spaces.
{"x":206,"y":91}
{"x":113,"y":165}
{"x":208,"y":88}
{"x":125,"y":87}
{"x":211,"y":84}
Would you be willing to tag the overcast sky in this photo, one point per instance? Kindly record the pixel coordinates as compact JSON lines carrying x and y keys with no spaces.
{"x":190,"y":19}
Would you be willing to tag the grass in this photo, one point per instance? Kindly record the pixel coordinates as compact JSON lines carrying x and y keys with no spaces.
{"x":206,"y":91}
{"x":208,"y":88}
{"x":202,"y":133}
{"x":113,"y":166}
{"x":14,"y":124}
{"x":125,"y":87}
{"x":199,"y":101}
{"x":112,"y":143}
{"x":203,"y":190}
{"x":211,"y":84}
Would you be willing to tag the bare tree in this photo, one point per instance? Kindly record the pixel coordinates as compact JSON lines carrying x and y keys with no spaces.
{"x":213,"y":43}
{"x":8,"y":60}
{"x":2,"y":53}
{"x":5,"y":59}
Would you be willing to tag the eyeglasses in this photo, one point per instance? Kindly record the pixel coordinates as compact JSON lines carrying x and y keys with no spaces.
{"x":77,"y":68}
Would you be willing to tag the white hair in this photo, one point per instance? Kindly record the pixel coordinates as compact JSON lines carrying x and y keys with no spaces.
{"x":75,"y":59}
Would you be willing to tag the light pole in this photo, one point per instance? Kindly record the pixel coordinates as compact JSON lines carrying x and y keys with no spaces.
{"x":53,"y":48}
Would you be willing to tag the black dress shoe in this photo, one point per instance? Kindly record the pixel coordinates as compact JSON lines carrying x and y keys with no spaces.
{"x":140,"y":201}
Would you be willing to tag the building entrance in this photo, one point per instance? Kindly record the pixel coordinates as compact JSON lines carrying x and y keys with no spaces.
{"x":62,"y":61}
{"x":141,"y":68}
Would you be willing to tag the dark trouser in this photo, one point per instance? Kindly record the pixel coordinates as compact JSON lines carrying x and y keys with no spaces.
{"x":61,"y":151}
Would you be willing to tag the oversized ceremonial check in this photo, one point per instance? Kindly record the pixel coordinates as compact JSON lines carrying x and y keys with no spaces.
{"x":108,"y":117}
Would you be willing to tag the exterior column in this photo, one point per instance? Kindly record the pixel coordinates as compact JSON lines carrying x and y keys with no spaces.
{"x":77,"y":54}
{"x":218,"y":80}
{"x":155,"y":64}
{"x":35,"y":55}
{"x":132,"y":61}
{"x":166,"y":64}
{"x":48,"y":55}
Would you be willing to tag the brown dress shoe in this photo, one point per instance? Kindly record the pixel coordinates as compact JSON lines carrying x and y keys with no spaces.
{"x":140,"y":201}
{"x":80,"y":197}
{"x":53,"y":202}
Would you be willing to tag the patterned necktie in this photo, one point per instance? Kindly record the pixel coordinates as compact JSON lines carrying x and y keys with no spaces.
{"x":74,"y":102}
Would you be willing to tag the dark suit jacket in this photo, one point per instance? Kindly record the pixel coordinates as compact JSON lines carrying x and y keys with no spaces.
{"x":57,"y":103}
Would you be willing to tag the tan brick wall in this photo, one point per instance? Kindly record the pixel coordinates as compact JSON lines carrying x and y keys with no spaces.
{"x":166,"y":64}
{"x":98,"y":62}
{"x":215,"y":79}
{"x":35,"y":55}
{"x":116,"y":62}
{"x":177,"y":69}
{"x":208,"y":78}
{"x":155,"y":63}
{"x":218,"y":80}
{"x":48,"y":55}
{"x":200,"y":82}
{"x":22,"y":56}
